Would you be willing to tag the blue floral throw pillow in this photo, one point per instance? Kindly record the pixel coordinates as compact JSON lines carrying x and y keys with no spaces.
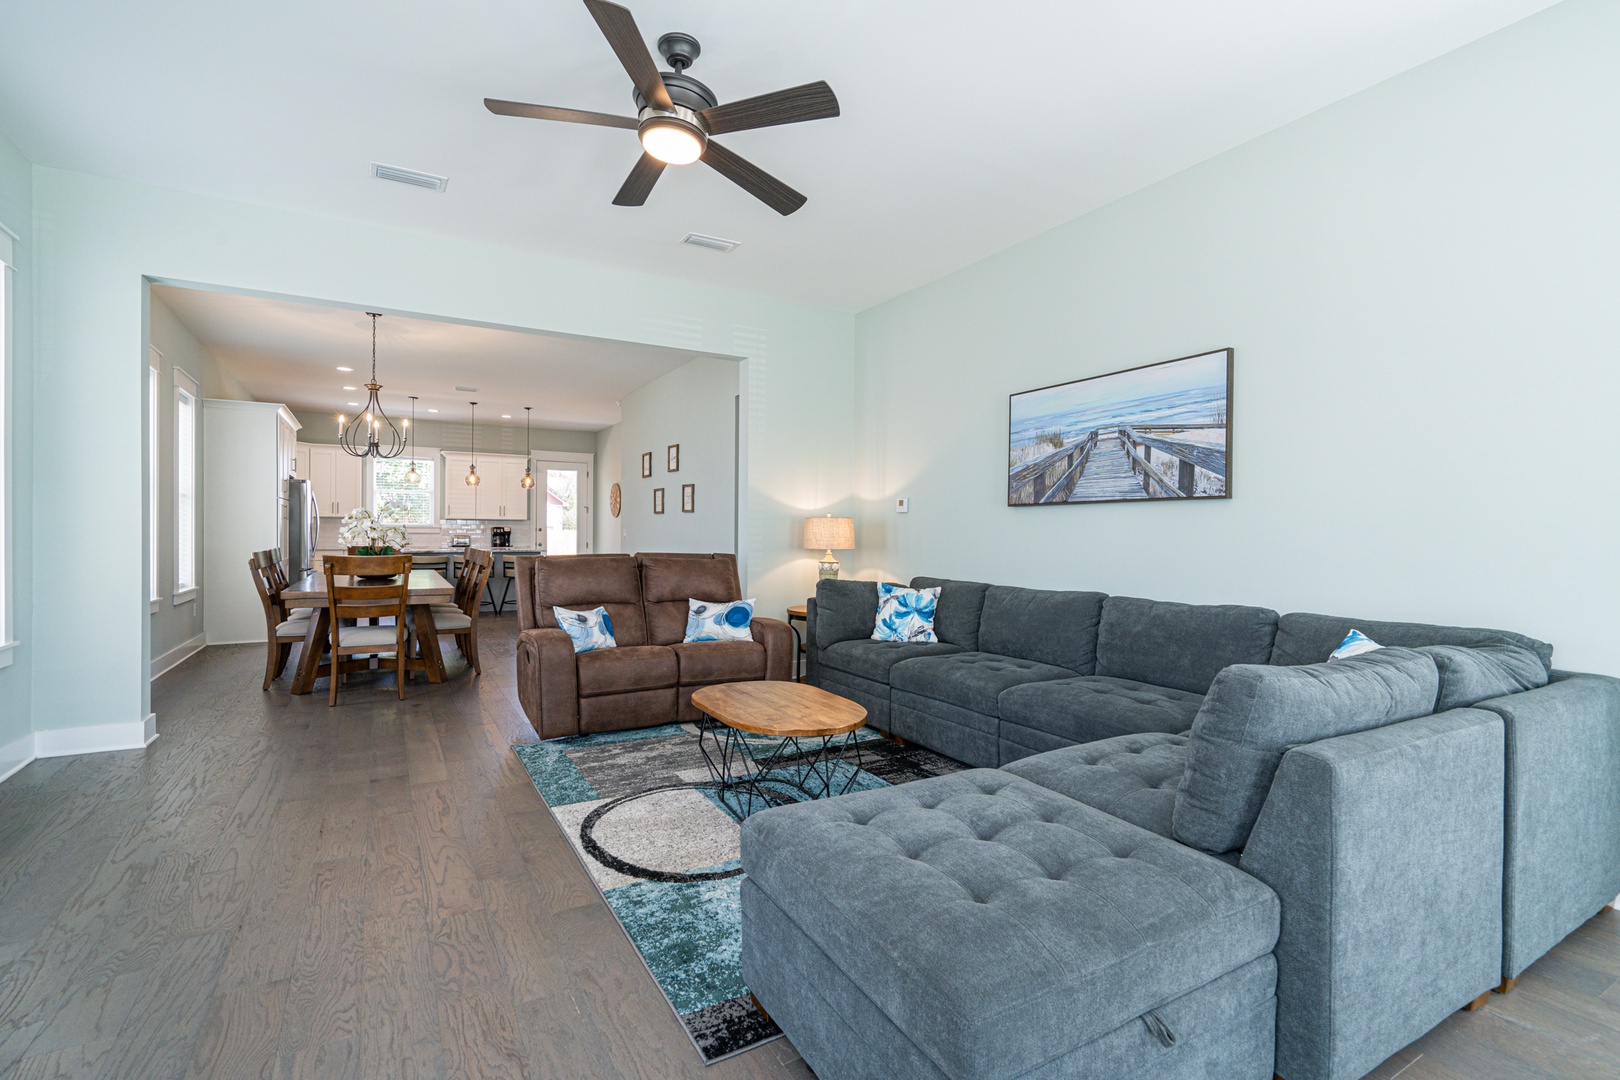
{"x":587,"y":629}
{"x":905,"y":614}
{"x":712,"y":620}
{"x":1354,"y":644}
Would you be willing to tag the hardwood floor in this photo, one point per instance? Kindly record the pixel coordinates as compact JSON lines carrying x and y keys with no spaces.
{"x":276,"y":888}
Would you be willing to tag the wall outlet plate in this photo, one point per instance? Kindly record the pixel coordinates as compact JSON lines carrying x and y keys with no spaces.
{"x":902,"y":506}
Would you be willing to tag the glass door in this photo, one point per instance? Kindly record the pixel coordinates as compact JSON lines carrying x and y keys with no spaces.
{"x":563,"y":527}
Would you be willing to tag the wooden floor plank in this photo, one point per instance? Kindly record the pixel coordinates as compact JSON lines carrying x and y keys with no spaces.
{"x":280,"y":889}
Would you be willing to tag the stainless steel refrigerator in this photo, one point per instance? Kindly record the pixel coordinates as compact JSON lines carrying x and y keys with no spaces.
{"x":303,"y":526}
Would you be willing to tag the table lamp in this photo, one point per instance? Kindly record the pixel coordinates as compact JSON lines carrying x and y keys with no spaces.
{"x":829,"y":533}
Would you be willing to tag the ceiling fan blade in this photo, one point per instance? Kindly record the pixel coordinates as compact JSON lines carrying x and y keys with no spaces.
{"x":752,"y":179}
{"x":639,"y":184}
{"x":550,"y":112}
{"x":619,"y":27}
{"x":812,"y":101}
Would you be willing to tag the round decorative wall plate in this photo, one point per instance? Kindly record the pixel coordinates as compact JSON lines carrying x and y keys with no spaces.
{"x":615,"y":499}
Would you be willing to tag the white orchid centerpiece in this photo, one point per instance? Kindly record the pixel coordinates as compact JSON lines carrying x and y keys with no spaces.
{"x":382,"y":533}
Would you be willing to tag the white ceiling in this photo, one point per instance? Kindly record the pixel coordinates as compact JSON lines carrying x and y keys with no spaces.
{"x":966,"y":127}
{"x":289,"y":351}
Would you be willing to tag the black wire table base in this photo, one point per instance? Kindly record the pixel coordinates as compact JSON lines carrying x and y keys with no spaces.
{"x":793,"y":769}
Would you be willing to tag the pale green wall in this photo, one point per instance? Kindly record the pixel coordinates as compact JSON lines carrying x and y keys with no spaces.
{"x":174,"y":624}
{"x":609,"y":450}
{"x":694,"y":406}
{"x":17,"y":214}
{"x":1420,"y":283}
{"x":97,"y":237}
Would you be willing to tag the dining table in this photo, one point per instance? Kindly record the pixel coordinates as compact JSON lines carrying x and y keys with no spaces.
{"x":426,"y":588}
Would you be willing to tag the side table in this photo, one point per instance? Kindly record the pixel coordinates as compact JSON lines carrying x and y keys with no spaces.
{"x":798,"y":613}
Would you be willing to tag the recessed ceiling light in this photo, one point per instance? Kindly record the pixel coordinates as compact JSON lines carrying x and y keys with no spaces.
{"x":354,"y":404}
{"x":351,"y":388}
{"x":433,"y":410}
{"x":345,"y":369}
{"x":506,"y":416}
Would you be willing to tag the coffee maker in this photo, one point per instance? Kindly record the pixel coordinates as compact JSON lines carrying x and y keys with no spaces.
{"x":500,"y":537}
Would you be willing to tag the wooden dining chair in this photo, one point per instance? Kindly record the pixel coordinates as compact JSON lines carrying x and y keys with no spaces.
{"x":281,"y":628}
{"x":461,"y":618}
{"x":349,"y":599}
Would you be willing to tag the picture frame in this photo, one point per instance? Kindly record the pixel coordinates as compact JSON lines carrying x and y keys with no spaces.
{"x":1159,"y":432}
{"x":646,"y":465}
{"x":688,"y":498}
{"x":658,"y":500}
{"x":673,"y":461}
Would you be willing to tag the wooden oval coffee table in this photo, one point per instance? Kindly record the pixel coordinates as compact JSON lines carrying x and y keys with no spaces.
{"x":799,"y":735}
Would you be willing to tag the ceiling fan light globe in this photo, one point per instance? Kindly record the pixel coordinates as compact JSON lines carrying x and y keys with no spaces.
{"x":671,"y":142}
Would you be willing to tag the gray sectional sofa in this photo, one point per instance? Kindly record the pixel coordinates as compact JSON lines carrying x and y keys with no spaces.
{"x":1190,"y":848}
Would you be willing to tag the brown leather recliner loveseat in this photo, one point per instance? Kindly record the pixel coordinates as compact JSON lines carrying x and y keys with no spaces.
{"x":649,"y":677}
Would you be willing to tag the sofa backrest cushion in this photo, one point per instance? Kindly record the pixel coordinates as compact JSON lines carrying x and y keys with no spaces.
{"x":1255,"y":713}
{"x":956,"y":616}
{"x":1043,"y":625}
{"x":1471,"y":675}
{"x":588,"y":581}
{"x":1181,"y":646}
{"x":669,"y":583}
{"x":1306,"y":638}
{"x":845,"y":610}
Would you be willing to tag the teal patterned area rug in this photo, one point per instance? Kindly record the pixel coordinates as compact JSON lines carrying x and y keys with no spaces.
{"x":645,"y":820}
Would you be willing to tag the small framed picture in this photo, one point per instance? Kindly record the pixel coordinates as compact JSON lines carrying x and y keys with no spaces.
{"x":646,"y":465}
{"x":674,"y":457}
{"x":688,"y":498}
{"x":658,"y":500}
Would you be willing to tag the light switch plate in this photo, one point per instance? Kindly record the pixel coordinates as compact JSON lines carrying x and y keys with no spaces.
{"x":902,"y":506}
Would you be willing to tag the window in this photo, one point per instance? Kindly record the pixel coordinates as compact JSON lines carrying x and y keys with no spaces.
{"x":6,"y":638}
{"x":154,"y":387}
{"x":388,"y":485}
{"x":185,"y":487}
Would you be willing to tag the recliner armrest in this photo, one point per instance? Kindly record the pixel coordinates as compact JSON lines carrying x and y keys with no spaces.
{"x":1385,"y":848}
{"x":548,"y":681}
{"x":777,"y":637}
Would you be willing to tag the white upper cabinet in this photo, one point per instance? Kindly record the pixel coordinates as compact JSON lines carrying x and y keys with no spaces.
{"x":337,"y":476}
{"x":499,"y":495}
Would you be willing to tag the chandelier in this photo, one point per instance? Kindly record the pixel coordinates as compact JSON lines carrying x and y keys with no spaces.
{"x":528,"y":473}
{"x":368,"y":441}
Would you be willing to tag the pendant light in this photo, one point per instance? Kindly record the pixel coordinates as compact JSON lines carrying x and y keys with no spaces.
{"x":412,"y":477}
{"x":472,"y":469}
{"x":528,"y":472}
{"x":373,"y":419}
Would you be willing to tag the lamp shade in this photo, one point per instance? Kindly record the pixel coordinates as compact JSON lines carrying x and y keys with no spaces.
{"x":829,"y":533}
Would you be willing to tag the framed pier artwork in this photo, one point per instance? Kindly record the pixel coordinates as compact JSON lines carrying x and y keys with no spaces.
{"x":1160,"y":431}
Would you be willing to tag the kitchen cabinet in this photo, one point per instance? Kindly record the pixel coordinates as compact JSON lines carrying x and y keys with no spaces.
{"x":337,"y":476}
{"x":498,"y":497}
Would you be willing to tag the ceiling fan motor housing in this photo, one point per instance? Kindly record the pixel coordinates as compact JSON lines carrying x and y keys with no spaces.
{"x":684,"y":91}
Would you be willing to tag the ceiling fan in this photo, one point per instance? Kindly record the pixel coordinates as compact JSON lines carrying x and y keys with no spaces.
{"x":677,"y":115}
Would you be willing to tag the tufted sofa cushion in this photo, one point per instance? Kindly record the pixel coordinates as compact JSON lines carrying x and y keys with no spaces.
{"x":997,"y":923}
{"x":1133,"y":777}
{"x":971,"y":680}
{"x":873,"y":659}
{"x":1096,"y":707}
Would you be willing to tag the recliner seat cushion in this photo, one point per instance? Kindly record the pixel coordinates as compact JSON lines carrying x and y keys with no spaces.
{"x":1133,"y":777}
{"x":1180,"y":645}
{"x":875,"y":659}
{"x":1043,"y":625}
{"x":701,"y":662}
{"x":626,"y":669}
{"x":998,"y":923}
{"x":971,"y":680}
{"x":1096,"y":707}
{"x":1307,"y":638}
{"x":960,"y":607}
{"x":1255,"y":713}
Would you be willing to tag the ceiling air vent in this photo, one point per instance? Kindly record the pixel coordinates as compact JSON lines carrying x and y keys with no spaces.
{"x":713,"y":243}
{"x":408,"y":176}
{"x":467,"y":389}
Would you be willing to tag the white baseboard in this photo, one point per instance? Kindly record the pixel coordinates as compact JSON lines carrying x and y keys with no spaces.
{"x":15,"y":754}
{"x":177,"y":655}
{"x":96,"y":738}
